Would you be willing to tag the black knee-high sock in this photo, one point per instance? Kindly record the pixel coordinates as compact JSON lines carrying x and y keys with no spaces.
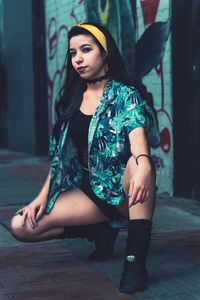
{"x":134,"y":276}
{"x":139,"y":235}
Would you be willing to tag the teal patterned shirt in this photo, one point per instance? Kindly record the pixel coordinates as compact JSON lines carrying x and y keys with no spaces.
{"x":120,"y":110}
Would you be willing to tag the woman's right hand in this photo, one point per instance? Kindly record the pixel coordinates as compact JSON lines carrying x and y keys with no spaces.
{"x":32,"y":212}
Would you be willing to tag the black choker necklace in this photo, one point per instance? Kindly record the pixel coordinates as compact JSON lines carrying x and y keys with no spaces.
{"x":100,"y":78}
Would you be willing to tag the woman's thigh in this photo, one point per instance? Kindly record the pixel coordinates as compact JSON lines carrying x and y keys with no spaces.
{"x":75,"y":208}
{"x":71,"y":208}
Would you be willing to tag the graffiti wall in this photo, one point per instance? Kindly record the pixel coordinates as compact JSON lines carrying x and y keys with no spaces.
{"x":141,"y":30}
{"x":152,"y":25}
{"x":60,"y":16}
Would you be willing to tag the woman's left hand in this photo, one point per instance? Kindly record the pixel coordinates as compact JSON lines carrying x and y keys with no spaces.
{"x":141,"y":184}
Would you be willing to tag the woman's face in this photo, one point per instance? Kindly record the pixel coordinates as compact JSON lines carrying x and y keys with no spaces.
{"x":86,"y":57}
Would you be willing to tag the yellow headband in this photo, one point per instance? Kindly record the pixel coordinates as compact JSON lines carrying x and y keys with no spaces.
{"x":95,"y":32}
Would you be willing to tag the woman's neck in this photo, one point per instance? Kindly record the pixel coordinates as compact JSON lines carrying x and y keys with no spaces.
{"x":98,"y":79}
{"x":100,"y":85}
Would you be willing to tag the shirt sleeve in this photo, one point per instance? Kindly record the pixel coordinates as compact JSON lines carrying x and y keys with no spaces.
{"x":52,"y":146}
{"x":134,"y":112}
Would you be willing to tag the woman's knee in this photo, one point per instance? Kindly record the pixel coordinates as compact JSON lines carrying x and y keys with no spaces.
{"x":18,"y":230}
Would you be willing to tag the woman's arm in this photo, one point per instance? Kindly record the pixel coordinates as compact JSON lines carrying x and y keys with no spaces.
{"x":142,"y":180}
{"x":139,"y":144}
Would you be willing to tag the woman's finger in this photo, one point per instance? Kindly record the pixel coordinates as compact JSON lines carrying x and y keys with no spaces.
{"x":147,"y":195}
{"x":40,"y":213}
{"x":139,"y":197}
{"x":133,"y":196}
{"x":144,"y":196}
{"x":31,"y":218}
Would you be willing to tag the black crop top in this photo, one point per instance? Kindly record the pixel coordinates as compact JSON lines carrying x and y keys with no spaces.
{"x":78,"y":131}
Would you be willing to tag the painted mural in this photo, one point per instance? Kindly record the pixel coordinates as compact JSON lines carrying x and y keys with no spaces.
{"x":154,"y":50}
{"x":141,"y":29}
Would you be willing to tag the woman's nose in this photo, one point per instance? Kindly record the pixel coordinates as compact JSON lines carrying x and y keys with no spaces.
{"x":79,"y":58}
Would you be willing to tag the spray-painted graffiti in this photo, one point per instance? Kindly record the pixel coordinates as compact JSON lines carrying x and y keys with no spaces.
{"x":58,"y":14}
{"x":157,"y":77}
{"x":55,"y":74}
{"x":158,"y":162}
{"x":135,"y":25}
{"x":117,"y":16}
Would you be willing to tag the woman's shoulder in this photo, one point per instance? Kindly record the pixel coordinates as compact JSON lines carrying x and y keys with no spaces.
{"x":125,"y":90}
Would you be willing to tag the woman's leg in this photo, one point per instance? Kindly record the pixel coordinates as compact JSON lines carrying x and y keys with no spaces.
{"x":143,"y":210}
{"x":72,"y":208}
{"x":134,"y":277}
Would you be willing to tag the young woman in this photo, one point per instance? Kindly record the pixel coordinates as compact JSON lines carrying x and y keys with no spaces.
{"x":101,"y":168}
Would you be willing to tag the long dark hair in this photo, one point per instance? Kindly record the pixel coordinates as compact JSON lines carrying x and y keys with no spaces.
{"x":74,"y":86}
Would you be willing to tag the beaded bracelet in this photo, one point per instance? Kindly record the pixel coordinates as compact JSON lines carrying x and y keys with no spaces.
{"x":136,"y":160}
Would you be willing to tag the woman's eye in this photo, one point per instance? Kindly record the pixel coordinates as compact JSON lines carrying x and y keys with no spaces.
{"x":85,"y":50}
{"x":72,"y":53}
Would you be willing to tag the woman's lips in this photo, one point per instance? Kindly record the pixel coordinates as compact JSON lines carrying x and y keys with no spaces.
{"x":81,"y":69}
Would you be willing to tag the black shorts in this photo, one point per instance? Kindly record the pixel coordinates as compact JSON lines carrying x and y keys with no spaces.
{"x":109,"y":210}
